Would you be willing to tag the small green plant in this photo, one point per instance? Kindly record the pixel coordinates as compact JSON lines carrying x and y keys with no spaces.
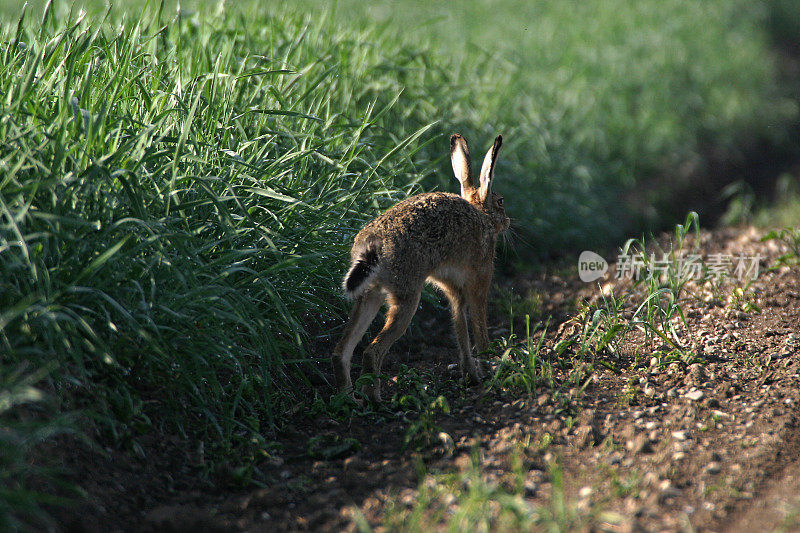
{"x":601,"y":327}
{"x":424,"y":431}
{"x":630,"y":394}
{"x":743,"y":299}
{"x":544,"y":442}
{"x":521,"y":367}
{"x":340,"y":406}
{"x":420,"y":406}
{"x":663,"y":277}
{"x":790,"y":239}
{"x":329,"y":447}
{"x":625,"y":486}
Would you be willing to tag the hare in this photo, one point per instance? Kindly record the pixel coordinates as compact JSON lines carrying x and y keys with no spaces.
{"x":442,"y":238}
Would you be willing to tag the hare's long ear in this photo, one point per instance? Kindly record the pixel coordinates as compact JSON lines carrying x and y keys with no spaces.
{"x":462,"y":166}
{"x":487,"y":170}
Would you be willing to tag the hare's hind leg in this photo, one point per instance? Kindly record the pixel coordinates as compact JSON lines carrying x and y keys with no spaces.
{"x":401,"y":308}
{"x":364,"y":311}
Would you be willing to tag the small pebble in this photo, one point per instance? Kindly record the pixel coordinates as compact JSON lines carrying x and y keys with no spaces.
{"x":695,"y":395}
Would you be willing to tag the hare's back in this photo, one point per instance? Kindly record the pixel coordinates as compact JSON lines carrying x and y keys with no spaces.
{"x":430,"y":216}
{"x":427,"y":229}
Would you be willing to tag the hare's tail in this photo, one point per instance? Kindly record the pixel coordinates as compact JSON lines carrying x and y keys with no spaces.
{"x":364,"y":267}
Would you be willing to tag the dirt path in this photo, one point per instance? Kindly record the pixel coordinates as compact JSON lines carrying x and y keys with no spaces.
{"x":647,"y":444}
{"x":777,"y":507}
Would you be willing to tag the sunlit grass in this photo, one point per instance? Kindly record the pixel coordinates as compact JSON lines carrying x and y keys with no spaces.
{"x":608,"y":108}
{"x":177,"y":195}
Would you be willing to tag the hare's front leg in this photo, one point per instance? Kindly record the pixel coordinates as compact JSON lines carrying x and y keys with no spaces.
{"x":401,"y":308}
{"x":477,"y":300}
{"x":364,"y":311}
{"x":466,"y":363}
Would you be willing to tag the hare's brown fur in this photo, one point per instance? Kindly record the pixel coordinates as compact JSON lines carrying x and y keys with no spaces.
{"x":439,"y":237}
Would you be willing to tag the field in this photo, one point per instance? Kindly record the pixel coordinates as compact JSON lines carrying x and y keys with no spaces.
{"x":179,"y":190}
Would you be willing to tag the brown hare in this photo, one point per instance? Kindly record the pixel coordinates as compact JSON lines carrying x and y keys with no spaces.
{"x":439,"y":237}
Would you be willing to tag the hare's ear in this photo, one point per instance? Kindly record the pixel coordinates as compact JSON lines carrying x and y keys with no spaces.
{"x":462,"y":166}
{"x":487,"y":170}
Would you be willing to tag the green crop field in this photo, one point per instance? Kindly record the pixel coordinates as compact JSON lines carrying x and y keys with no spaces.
{"x":178,"y":189}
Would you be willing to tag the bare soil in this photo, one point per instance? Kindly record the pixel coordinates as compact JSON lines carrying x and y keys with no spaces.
{"x":710,"y":446}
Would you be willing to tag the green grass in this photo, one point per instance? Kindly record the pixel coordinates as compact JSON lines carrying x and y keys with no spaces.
{"x":178,"y":190}
{"x":472,"y":501}
{"x":177,"y":196}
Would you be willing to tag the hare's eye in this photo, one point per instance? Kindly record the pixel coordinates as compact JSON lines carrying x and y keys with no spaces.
{"x":500,"y":202}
